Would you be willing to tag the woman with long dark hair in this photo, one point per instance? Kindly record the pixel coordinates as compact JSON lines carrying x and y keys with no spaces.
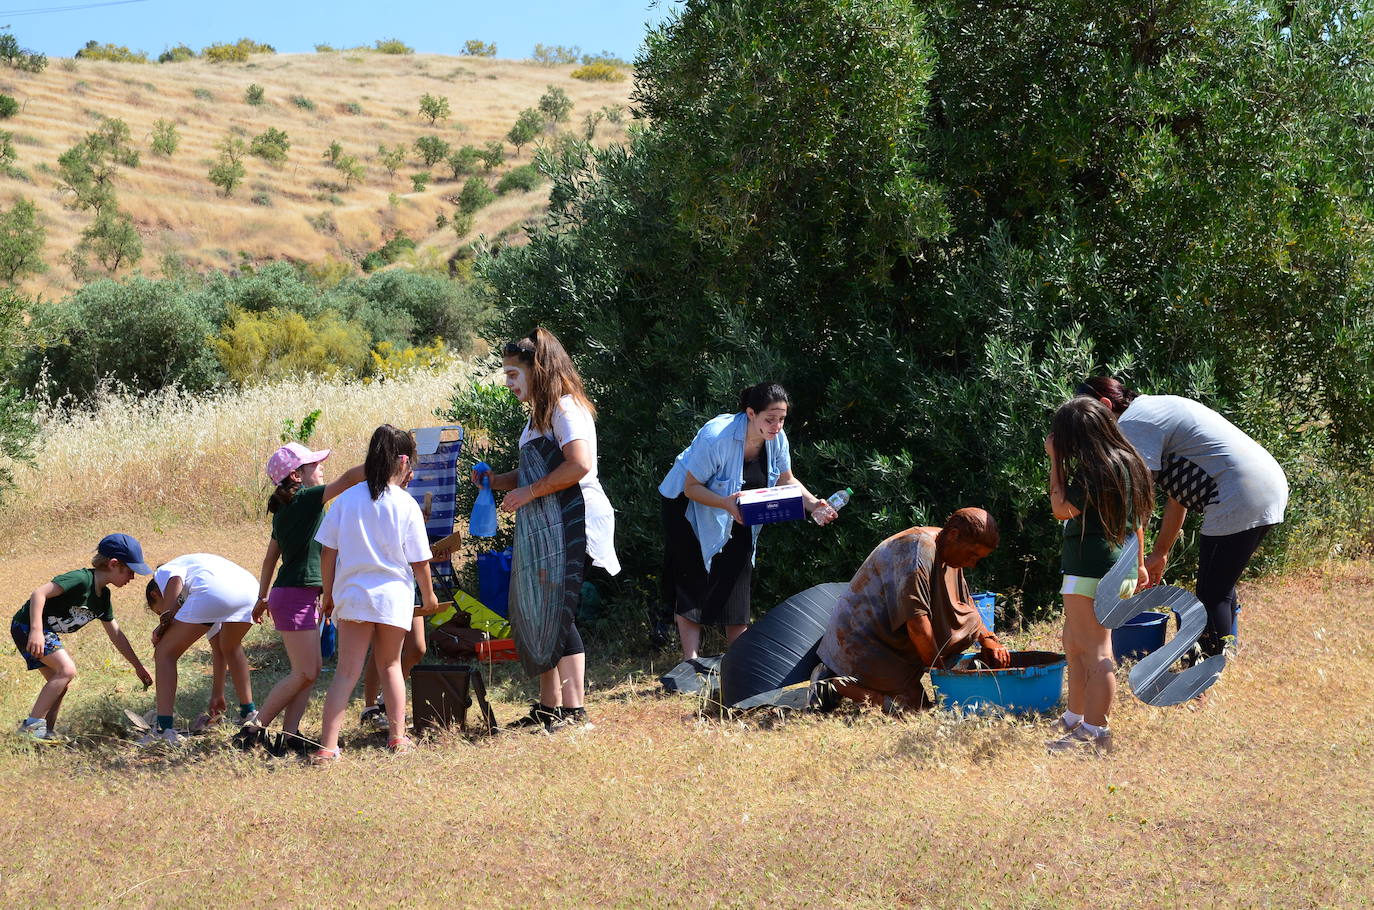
{"x":564,"y":524}
{"x":1201,"y":461}
{"x":1100,"y":488}
{"x":708,"y":552}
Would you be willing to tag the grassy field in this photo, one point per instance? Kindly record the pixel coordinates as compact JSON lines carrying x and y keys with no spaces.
{"x":1261,"y":798}
{"x":178,"y":211}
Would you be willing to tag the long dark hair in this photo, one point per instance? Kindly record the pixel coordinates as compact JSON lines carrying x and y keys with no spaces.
{"x":552,"y":375}
{"x":283,"y":494}
{"x":1110,"y":389}
{"x":1092,"y":454}
{"x":761,"y":396}
{"x":385,"y":451}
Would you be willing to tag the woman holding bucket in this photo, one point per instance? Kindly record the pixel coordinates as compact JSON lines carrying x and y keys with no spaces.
{"x":1201,"y":461}
{"x":564,"y":524}
{"x":708,"y":552}
{"x":1100,"y":489}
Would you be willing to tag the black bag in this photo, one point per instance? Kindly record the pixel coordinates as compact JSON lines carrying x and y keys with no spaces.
{"x":442,"y":695}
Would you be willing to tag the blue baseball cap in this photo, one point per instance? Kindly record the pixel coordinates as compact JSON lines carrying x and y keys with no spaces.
{"x":125,"y":549}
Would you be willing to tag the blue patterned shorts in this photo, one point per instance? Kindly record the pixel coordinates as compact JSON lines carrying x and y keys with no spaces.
{"x":19,"y":631}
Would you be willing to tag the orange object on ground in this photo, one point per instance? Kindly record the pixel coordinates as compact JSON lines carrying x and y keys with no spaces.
{"x":497,"y":649}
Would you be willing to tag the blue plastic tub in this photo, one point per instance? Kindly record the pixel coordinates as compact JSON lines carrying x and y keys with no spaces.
{"x":493,"y":581}
{"x":1140,"y":635}
{"x":1034,"y":682}
{"x":986,"y":602}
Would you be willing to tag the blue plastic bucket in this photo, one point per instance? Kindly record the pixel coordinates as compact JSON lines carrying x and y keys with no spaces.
{"x":493,"y":581}
{"x":1140,"y":635}
{"x":986,"y":602}
{"x":1033,"y":683}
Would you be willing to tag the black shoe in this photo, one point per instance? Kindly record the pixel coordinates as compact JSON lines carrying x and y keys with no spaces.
{"x":275,"y":745}
{"x":296,"y":744}
{"x":249,"y":735}
{"x":575,"y":718}
{"x":541,"y":719}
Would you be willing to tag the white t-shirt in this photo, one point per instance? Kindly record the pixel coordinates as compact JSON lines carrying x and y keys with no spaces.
{"x":214,"y":589}
{"x":573,"y":421}
{"x":377,"y":541}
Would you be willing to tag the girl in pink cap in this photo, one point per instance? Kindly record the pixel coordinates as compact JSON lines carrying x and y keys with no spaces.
{"x":293,"y":599}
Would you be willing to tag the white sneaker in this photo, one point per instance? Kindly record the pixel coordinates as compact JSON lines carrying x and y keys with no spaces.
{"x":252,"y":718}
{"x":35,"y":730}
{"x":1080,"y":740}
{"x":168,"y":737}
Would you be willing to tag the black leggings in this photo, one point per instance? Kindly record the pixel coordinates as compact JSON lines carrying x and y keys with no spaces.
{"x":1221,"y":560}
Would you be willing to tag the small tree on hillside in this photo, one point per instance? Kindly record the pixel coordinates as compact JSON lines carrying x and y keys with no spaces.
{"x":434,"y":107}
{"x":332,"y":153}
{"x":228,"y":171}
{"x":166,"y":139}
{"x":465,"y":160}
{"x":87,"y":169}
{"x":432,"y":149}
{"x":474,"y":48}
{"x":528,"y":125}
{"x":255,"y":95}
{"x":493,"y":153}
{"x":113,"y":240}
{"x":351,"y":169}
{"x":419,"y":181}
{"x":476,"y":195}
{"x":271,"y":145}
{"x":21,"y":241}
{"x":555,"y":105}
{"x":8,"y":107}
{"x":393,"y":158}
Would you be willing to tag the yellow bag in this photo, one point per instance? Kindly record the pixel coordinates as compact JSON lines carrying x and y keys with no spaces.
{"x":488,"y":621}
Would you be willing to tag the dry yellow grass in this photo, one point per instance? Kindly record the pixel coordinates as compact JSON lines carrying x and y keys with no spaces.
{"x":178,"y":211}
{"x":1260,"y":799}
{"x":153,"y":462}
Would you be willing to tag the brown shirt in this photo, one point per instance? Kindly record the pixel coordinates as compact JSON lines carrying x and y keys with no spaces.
{"x":901,"y":579}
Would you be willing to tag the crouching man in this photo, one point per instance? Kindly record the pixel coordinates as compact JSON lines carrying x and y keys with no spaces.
{"x":907,"y":609}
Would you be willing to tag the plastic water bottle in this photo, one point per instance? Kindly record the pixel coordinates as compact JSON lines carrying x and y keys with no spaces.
{"x":837,"y":501}
{"x":482,"y":523}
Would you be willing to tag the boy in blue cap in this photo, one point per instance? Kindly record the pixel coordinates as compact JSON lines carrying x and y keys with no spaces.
{"x":65,"y":604}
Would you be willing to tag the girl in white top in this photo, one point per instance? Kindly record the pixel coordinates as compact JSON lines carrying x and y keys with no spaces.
{"x":374,"y":550}
{"x":195,"y":594}
{"x":539,"y":372}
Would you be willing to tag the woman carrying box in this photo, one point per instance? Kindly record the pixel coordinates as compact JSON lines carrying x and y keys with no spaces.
{"x":708,"y":552}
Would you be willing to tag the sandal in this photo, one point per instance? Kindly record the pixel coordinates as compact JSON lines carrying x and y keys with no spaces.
{"x":401,"y":745}
{"x":323,"y":756}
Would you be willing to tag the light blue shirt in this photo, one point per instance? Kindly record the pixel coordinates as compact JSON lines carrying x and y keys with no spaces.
{"x":716,"y":458}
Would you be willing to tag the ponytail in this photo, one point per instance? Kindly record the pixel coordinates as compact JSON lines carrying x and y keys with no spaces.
{"x":385,"y":453}
{"x":761,"y":396}
{"x":1110,"y":389}
{"x":283,"y":494}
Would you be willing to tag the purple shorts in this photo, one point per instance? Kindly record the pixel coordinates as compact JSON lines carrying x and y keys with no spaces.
{"x":294,"y":609}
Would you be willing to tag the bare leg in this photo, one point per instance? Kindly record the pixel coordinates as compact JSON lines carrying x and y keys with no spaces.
{"x":230,"y":638}
{"x":689,"y":633}
{"x":178,"y":637}
{"x":219,"y":669}
{"x":58,"y":671}
{"x":415,"y":647}
{"x":372,"y":684}
{"x":1093,"y":643}
{"x":386,"y":654}
{"x":732,"y":633}
{"x":291,"y":694}
{"x":572,"y":671}
{"x":354,"y":638}
{"x":551,"y":688}
{"x":1077,"y":668}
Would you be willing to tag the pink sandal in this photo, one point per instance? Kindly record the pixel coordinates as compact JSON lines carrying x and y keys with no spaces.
{"x":323,"y":756}
{"x":401,"y":745}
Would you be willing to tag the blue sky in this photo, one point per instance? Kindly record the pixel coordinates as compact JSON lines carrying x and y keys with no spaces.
{"x":59,"y":27}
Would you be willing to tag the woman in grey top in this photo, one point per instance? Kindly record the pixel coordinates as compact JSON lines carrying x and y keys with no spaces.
{"x":1201,"y":461}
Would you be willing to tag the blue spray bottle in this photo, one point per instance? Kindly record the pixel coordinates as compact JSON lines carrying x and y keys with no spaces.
{"x":483,"y":520}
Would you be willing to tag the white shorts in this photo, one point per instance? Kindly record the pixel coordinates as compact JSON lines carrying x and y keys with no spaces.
{"x":203,"y":607}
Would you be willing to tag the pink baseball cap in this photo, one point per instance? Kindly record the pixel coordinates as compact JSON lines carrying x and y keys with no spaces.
{"x":290,"y":457}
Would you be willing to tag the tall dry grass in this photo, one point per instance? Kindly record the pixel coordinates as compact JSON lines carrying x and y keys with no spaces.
{"x":172,"y":457}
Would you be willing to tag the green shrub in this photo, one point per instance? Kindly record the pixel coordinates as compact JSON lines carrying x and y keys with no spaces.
{"x":598,"y":72}
{"x":271,"y":145}
{"x":238,"y":52}
{"x":22,"y":237}
{"x":554,"y":55}
{"x":142,"y":334}
{"x":393,"y":159}
{"x":351,"y":169}
{"x":474,"y":48}
{"x":20,"y":58}
{"x":435,"y":306}
{"x":87,"y":169}
{"x":493,"y":153}
{"x":435,"y":107}
{"x":388,"y":252}
{"x":392,"y":46}
{"x":262,"y":199}
{"x":115,"y":53}
{"x":333,"y":151}
{"x":255,"y":95}
{"x":176,"y":54}
{"x":605,"y":57}
{"x":303,"y":102}
{"x":203,"y":94}
{"x":529,"y":124}
{"x":432,"y":149}
{"x":555,"y":105}
{"x":419,"y":181}
{"x":351,"y":107}
{"x":261,"y":347}
{"x":166,"y":138}
{"x":8,"y":107}
{"x":325,"y":49}
{"x":520,"y":179}
{"x":112,"y":239}
{"x":228,"y":170}
{"x":476,"y":195}
{"x":464,"y":161}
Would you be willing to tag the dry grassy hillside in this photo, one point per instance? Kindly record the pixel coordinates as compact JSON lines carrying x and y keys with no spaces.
{"x":176,"y":208}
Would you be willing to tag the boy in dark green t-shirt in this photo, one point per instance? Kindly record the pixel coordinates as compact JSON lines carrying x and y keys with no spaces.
{"x":65,"y":604}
